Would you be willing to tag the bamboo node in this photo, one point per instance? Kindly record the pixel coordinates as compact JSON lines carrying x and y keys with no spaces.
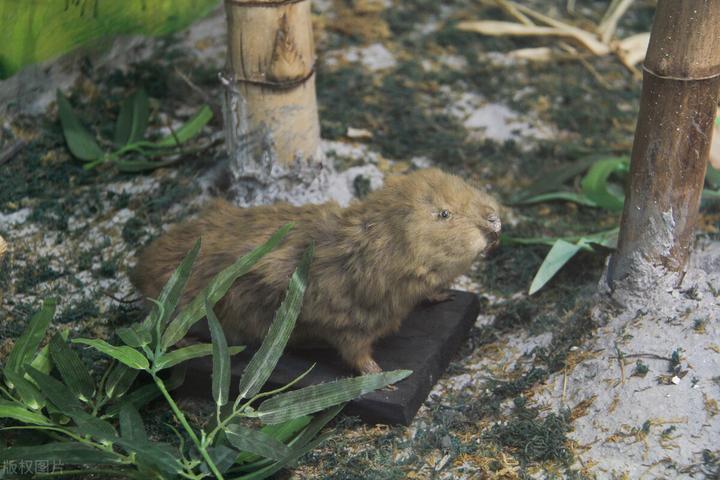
{"x":263,"y":4}
{"x":680,"y":79}
{"x":230,"y":80}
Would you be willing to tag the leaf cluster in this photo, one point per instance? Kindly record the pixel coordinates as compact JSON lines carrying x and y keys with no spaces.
{"x":96,"y":424}
{"x":601,"y":186}
{"x":129,"y":136}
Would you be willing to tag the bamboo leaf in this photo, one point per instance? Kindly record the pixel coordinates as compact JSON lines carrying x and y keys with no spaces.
{"x":555,"y":179}
{"x":29,"y":394}
{"x":712,"y":177}
{"x":191,"y":128}
{"x":223,"y":457}
{"x":217,"y":288}
{"x":595,"y":183}
{"x":221,"y":358}
{"x":263,"y":362}
{"x":314,"y":398}
{"x":68,"y":453}
{"x":132,"y":120}
{"x":81,"y":144}
{"x":65,"y":401}
{"x":170,"y":294}
{"x":29,"y":341}
{"x":268,"y":471}
{"x":302,"y":444}
{"x":282,"y":432}
{"x":131,"y":424}
{"x":127,"y":355}
{"x":41,"y":361}
{"x":72,"y":370}
{"x":183,"y":354}
{"x":136,"y":335}
{"x":140,"y":165}
{"x":560,"y":253}
{"x":255,"y":441}
{"x":147,"y":393}
{"x":578,"y":198}
{"x":16,"y":412}
{"x":119,"y":380}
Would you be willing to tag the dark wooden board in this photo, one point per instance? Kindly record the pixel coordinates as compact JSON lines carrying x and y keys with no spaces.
{"x":425,"y":344}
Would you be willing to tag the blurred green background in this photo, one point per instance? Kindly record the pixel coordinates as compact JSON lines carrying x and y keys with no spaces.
{"x":36,"y":30}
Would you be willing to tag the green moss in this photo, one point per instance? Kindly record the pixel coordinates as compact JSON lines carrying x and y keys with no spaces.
{"x":35,"y":272}
{"x":640,"y":369}
{"x":133,"y":231}
{"x":532,"y":438}
{"x":82,"y":311}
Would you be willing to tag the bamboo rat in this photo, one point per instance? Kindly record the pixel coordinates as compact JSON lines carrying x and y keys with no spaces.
{"x":374,"y":260}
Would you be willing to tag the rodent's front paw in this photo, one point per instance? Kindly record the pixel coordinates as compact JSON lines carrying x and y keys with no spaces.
{"x":370,"y":366}
{"x":439,"y":297}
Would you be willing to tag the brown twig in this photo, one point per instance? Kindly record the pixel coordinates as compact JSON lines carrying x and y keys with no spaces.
{"x":9,"y":152}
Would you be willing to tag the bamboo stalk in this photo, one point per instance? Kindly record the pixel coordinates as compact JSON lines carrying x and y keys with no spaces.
{"x":681,"y":86}
{"x":271,"y":118}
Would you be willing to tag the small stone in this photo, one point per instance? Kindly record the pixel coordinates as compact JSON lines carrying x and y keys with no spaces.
{"x":675,"y":380}
{"x":359,"y":133}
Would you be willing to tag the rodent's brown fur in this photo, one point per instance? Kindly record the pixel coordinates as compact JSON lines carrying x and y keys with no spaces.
{"x":374,"y":260}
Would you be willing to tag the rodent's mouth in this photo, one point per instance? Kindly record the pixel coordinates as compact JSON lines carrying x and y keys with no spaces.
{"x":493,"y":240}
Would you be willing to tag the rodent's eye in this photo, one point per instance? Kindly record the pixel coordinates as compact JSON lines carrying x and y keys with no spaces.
{"x":444,"y":214}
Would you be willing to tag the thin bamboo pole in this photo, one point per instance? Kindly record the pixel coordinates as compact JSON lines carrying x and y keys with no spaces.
{"x":681,"y":85}
{"x":271,"y":118}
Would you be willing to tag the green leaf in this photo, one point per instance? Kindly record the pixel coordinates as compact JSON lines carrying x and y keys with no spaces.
{"x":72,"y":370}
{"x":255,"y":441}
{"x":127,"y":355}
{"x":81,"y":144}
{"x":132,"y":120}
{"x":595,"y":183}
{"x":221,"y":359}
{"x":29,"y":394}
{"x":136,"y":335}
{"x":16,"y":412}
{"x":67,"y":453}
{"x":119,"y":380}
{"x":578,"y":198}
{"x":29,"y":341}
{"x":131,"y":424}
{"x":314,"y":398}
{"x":170,"y":294}
{"x":183,"y":354}
{"x":263,"y":362}
{"x":41,"y":361}
{"x":191,"y":128}
{"x":216,"y":289}
{"x":282,"y":432}
{"x":560,"y":253}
